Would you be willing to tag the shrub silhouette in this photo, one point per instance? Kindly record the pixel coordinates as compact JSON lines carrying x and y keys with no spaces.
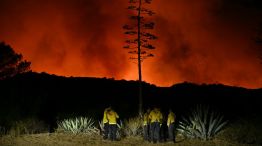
{"x":11,"y":63}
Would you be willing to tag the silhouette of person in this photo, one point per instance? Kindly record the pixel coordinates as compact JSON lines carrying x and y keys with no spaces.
{"x":112,"y":117}
{"x":106,"y":123}
{"x":171,"y":125}
{"x":155,"y":118}
{"x":146,"y":125}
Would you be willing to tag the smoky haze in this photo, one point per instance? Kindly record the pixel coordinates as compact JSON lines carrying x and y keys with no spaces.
{"x":204,"y":41}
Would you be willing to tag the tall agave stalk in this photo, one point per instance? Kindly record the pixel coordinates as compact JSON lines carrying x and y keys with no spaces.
{"x":78,"y":125}
{"x":202,"y":123}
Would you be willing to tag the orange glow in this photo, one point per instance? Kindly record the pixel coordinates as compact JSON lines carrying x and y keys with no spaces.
{"x":84,"y":38}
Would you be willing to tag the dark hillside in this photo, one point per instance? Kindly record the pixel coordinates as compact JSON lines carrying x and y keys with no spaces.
{"x":51,"y":97}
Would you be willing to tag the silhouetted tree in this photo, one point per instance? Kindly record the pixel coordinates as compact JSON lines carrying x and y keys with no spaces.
{"x":11,"y":63}
{"x":139,"y":36}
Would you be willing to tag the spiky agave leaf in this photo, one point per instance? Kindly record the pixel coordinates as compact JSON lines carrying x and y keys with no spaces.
{"x":216,"y":125}
{"x":133,"y":126}
{"x":202,"y":123}
{"x":78,"y":125}
{"x":101,"y":125}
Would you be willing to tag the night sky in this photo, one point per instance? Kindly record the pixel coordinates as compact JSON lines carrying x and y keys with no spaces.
{"x":201,"y":41}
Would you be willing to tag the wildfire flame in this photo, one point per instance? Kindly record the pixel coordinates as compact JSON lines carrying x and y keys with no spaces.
{"x":199,"y":41}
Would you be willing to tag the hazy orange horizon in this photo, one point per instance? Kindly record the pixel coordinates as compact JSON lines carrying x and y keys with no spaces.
{"x":200,"y":42}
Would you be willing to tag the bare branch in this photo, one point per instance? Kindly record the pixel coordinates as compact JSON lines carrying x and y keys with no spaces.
{"x":136,"y":17}
{"x":131,"y":41}
{"x":146,"y":56}
{"x":149,"y":36}
{"x":150,"y":55}
{"x":127,"y":47}
{"x":133,"y":52}
{"x":131,"y":32}
{"x":147,"y":11}
{"x":149,"y":25}
{"x":143,"y":52}
{"x":132,"y":7}
{"x":149,"y":46}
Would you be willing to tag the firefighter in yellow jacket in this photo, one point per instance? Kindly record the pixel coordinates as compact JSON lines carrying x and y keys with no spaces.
{"x":146,"y":125}
{"x":171,"y":124}
{"x":106,"y":123}
{"x":155,"y":118}
{"x":112,"y":117}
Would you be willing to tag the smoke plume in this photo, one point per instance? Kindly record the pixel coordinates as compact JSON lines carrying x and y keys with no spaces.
{"x":204,"y":41}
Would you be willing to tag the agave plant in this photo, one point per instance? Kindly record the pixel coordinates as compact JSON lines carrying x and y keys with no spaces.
{"x":78,"y":125}
{"x":119,"y":132}
{"x":101,"y":126}
{"x":133,"y":126}
{"x":202,"y":123}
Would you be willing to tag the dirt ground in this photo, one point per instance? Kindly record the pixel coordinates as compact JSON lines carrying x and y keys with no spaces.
{"x":55,"y":139}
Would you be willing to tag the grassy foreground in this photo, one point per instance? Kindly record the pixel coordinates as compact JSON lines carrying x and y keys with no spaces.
{"x":55,"y":139}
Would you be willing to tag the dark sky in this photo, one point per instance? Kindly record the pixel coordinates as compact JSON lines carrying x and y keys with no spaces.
{"x":203,"y":41}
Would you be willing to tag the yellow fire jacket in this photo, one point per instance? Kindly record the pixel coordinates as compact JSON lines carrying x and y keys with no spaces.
{"x":105,"y":120}
{"x":171,"y":118}
{"x":112,"y":116}
{"x":155,"y":116}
